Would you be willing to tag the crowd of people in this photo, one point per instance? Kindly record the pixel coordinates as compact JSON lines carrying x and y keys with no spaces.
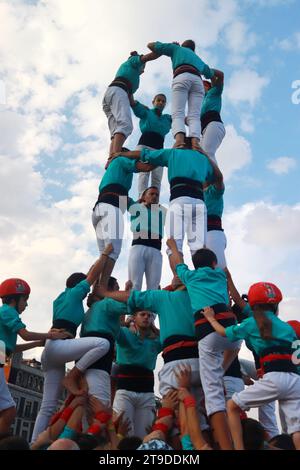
{"x":198,"y":322}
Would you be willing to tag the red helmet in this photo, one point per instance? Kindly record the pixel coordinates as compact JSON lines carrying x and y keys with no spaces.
{"x":14,"y":286}
{"x":296,"y":326}
{"x":264,"y":293}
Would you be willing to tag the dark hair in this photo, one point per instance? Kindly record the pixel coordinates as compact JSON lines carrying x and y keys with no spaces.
{"x":204,"y":258}
{"x":112,"y":281}
{"x":159,"y":94}
{"x":14,"y":443}
{"x":146,"y":190}
{"x":283,"y":441}
{"x":74,"y":279}
{"x":189,"y":43}
{"x":129,"y":443}
{"x":253,"y":434}
{"x":125,"y":149}
{"x":88,"y":441}
{"x":8,"y":299}
{"x":263,"y":322}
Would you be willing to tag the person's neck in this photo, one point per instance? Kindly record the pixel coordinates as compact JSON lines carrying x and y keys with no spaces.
{"x":143,"y":332}
{"x":158,"y":111}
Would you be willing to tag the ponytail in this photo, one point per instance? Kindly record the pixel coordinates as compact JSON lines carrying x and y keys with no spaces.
{"x":263,"y":322}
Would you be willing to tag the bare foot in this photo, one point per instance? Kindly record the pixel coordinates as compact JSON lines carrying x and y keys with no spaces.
{"x":72,"y":386}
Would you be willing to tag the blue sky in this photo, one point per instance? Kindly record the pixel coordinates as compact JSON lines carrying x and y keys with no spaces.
{"x":58,"y":56}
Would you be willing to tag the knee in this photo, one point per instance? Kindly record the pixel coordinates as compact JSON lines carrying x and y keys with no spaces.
{"x":232,"y":407}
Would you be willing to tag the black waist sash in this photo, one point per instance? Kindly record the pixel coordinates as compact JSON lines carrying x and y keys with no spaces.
{"x":179,"y":347}
{"x":134,"y":378}
{"x":111,"y":194}
{"x":277,"y":359}
{"x":186,"y":68}
{"x":181,"y":186}
{"x":123,"y":83}
{"x":214,"y":222}
{"x":223,"y":314}
{"x":70,"y":326}
{"x":105,"y":362}
{"x":208,"y":117}
{"x":152,"y":139}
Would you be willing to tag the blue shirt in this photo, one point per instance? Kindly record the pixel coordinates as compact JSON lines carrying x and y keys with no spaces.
{"x":173,"y":309}
{"x":104,"y":317}
{"x":131,"y":71}
{"x":68,"y":305}
{"x":133,"y":350}
{"x":180,"y":162}
{"x":213,"y":199}
{"x":147,"y":220}
{"x":10,"y":325}
{"x":212,"y":100}
{"x":183,"y":56}
{"x":249,"y":331}
{"x":120,"y":171}
{"x":151,"y":120}
{"x":206,"y":286}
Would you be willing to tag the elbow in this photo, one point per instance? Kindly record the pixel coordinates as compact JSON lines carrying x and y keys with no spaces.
{"x":150,"y":46}
{"x":24,"y":334}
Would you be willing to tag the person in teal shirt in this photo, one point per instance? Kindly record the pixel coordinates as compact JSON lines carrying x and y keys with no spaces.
{"x":147,"y":219}
{"x":116,"y":103}
{"x":14,"y":294}
{"x":136,"y":359}
{"x":215,"y":237}
{"x":107,"y":216}
{"x":177,"y":333}
{"x":207,"y":286}
{"x":187,"y":87}
{"x":273,"y":341}
{"x":68,"y":313}
{"x":103,"y":320}
{"x":154,"y":126}
{"x":188,"y":169}
{"x":212,"y":127}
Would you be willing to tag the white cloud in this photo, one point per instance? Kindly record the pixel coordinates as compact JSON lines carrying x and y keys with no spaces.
{"x":234,"y":153}
{"x":282,"y":165}
{"x":291,"y":43}
{"x":239,"y":39}
{"x":247,"y":122}
{"x":245,"y":86}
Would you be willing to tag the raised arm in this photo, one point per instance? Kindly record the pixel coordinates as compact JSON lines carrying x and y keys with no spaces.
{"x":144,"y":167}
{"x":98,"y":267}
{"x":235,"y":295}
{"x":151,"y":56}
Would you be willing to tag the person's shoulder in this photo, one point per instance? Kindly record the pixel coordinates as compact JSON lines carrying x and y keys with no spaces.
{"x":8,"y":310}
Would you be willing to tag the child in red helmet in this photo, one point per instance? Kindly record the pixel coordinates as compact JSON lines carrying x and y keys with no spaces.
{"x":14,"y":294}
{"x":272,"y":339}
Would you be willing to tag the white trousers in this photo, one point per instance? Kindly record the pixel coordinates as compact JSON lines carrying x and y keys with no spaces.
{"x":6,"y":400}
{"x":54,"y":358}
{"x":117,"y":109}
{"x":99,"y":385}
{"x":139,"y":408}
{"x":108,"y":222}
{"x":187,"y":215}
{"x":156,"y":175}
{"x":216,"y":241}
{"x":232,"y":385}
{"x":212,"y":137}
{"x":144,"y":260}
{"x":187,"y":89}
{"x":281,"y":386}
{"x":211,"y":355}
{"x":168,"y":381}
{"x":266,"y":412}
